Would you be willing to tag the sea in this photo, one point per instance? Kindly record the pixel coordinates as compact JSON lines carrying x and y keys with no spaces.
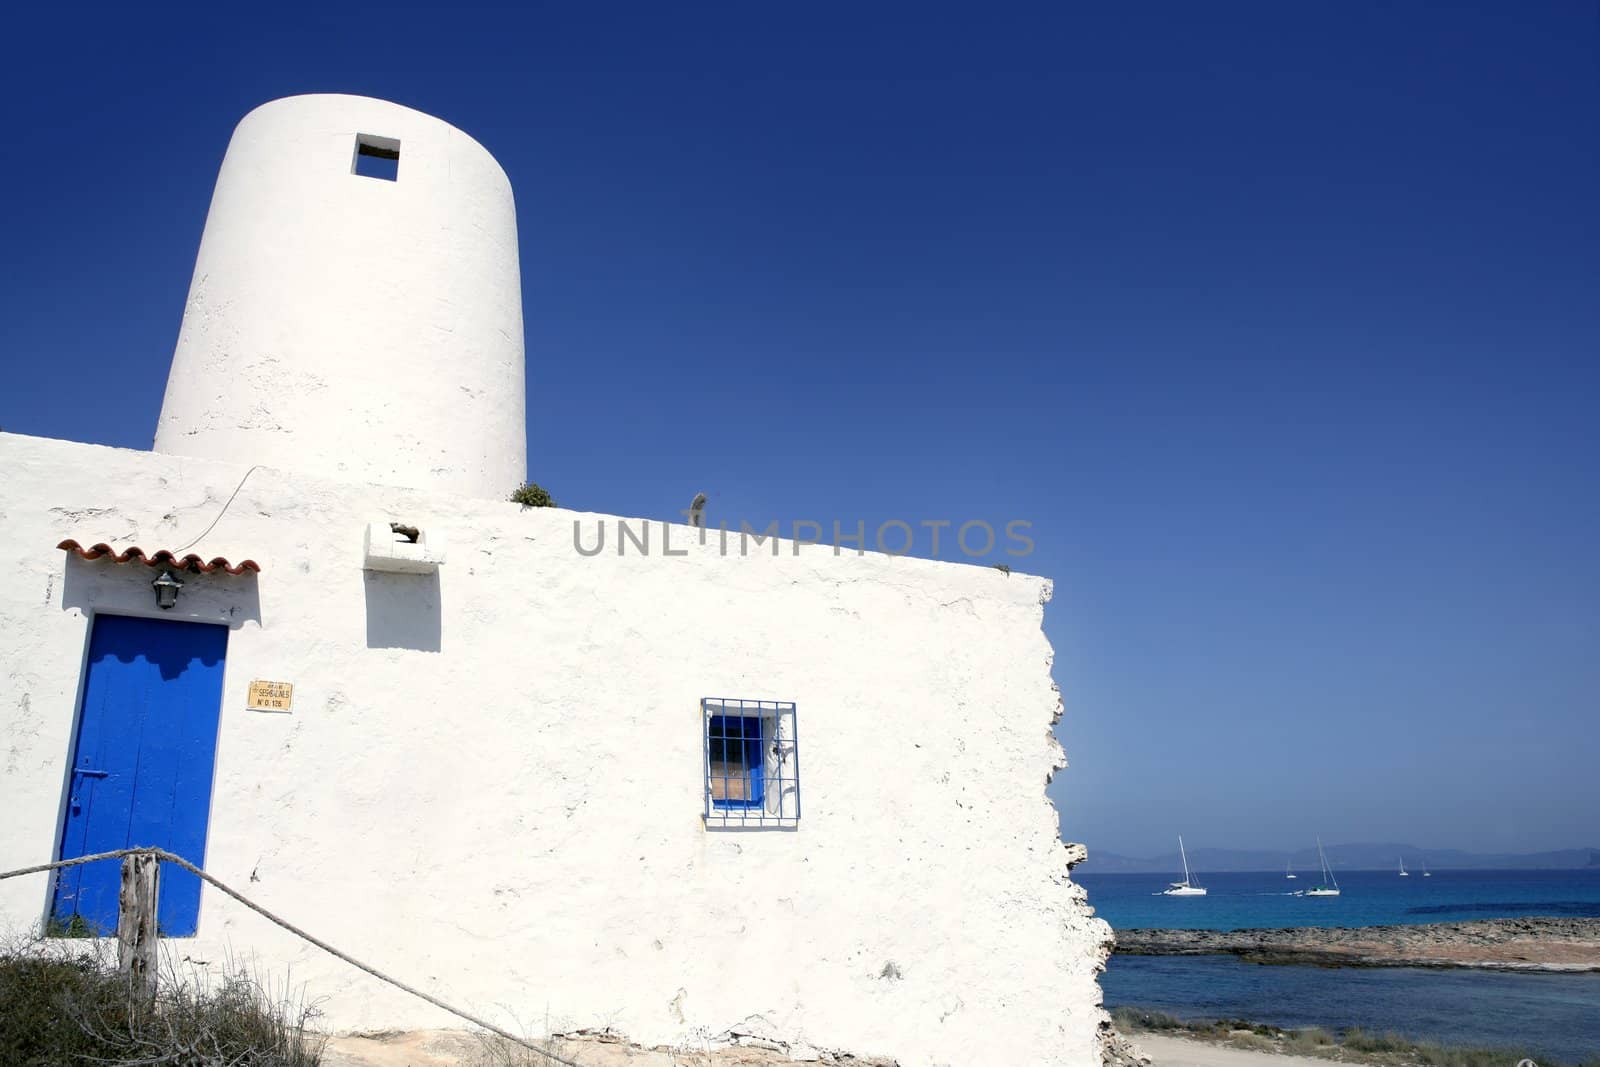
{"x":1554,"y":1015}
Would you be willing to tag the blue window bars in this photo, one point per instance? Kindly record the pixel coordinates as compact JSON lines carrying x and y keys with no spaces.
{"x":752,"y":763}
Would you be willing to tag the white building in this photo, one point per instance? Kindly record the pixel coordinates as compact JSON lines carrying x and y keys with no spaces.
{"x":551,"y":787}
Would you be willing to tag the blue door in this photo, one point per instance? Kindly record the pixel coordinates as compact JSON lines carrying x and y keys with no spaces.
{"x":141,"y":766}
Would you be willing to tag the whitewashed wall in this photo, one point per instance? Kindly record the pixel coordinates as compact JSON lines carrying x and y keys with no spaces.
{"x":491,"y":783}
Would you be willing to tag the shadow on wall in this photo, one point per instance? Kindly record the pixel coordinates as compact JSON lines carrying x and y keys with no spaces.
{"x":88,"y":586}
{"x":403,"y":611}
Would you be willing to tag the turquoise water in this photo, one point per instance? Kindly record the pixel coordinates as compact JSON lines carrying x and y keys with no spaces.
{"x":1556,"y":1014}
{"x":1249,"y":899}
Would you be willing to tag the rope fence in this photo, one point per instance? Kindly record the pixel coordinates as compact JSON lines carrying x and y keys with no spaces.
{"x":164,"y":856}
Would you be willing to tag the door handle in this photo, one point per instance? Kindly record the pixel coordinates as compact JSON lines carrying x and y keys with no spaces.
{"x":84,"y":772}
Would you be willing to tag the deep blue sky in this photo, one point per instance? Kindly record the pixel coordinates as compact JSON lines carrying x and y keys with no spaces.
{"x":1278,"y":321}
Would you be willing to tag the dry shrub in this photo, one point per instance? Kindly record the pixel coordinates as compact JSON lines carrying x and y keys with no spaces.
{"x":60,"y":1004}
{"x":1311,"y":1039}
{"x":1126,"y":1019}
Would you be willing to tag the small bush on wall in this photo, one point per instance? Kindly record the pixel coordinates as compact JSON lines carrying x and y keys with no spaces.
{"x":532,"y":495}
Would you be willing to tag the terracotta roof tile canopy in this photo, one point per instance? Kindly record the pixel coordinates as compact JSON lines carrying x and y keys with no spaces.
{"x":161,"y":558}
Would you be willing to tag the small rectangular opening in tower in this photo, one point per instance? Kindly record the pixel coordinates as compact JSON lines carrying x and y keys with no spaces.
{"x":377,"y":157}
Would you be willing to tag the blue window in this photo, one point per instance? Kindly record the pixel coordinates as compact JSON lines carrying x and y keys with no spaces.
{"x":752,"y":763}
{"x":737,"y":771}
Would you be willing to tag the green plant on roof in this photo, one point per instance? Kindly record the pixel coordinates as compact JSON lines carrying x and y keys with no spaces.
{"x":532,"y":495}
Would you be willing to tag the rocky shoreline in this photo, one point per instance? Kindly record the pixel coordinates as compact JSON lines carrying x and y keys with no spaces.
{"x":1499,"y":944}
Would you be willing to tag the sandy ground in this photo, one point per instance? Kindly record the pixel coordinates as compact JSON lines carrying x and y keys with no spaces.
{"x":1181,"y":1052}
{"x":458,"y":1048}
{"x":421,"y":1048}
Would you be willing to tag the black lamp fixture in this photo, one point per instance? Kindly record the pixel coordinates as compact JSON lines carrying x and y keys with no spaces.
{"x":167,"y":587}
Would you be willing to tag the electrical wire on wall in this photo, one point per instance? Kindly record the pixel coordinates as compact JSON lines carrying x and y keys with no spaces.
{"x":224,"y":510}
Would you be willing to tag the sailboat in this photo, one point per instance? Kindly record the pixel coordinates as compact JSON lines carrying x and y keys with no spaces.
{"x":1330,"y":884}
{"x":1425,"y":872}
{"x":1184,"y":888}
{"x":1288,"y":869}
{"x":1403,"y":872}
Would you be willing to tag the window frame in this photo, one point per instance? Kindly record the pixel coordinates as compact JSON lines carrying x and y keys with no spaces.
{"x":771,"y":763}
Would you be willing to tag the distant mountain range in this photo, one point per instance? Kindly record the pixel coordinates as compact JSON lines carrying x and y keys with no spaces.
{"x":1341,"y":857}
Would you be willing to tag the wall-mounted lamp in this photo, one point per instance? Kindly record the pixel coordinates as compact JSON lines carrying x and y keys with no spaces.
{"x":167,"y":587}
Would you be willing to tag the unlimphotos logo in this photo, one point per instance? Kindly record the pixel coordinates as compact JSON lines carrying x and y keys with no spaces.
{"x":974,"y":539}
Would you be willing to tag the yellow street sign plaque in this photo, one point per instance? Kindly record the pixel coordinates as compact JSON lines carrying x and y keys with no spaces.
{"x":271,"y":696}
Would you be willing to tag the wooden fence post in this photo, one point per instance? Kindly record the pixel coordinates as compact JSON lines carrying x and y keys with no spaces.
{"x":136,"y":924}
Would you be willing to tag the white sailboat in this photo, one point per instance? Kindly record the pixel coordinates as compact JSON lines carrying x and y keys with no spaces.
{"x":1288,"y":870}
{"x":1403,"y":872}
{"x":1425,"y":872}
{"x":1330,"y":884}
{"x":1185,"y":888}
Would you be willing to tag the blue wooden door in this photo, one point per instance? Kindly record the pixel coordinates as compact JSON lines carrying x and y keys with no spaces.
{"x":142,"y":765}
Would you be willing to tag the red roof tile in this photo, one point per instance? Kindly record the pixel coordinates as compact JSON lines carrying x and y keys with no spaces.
{"x":160,"y":558}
